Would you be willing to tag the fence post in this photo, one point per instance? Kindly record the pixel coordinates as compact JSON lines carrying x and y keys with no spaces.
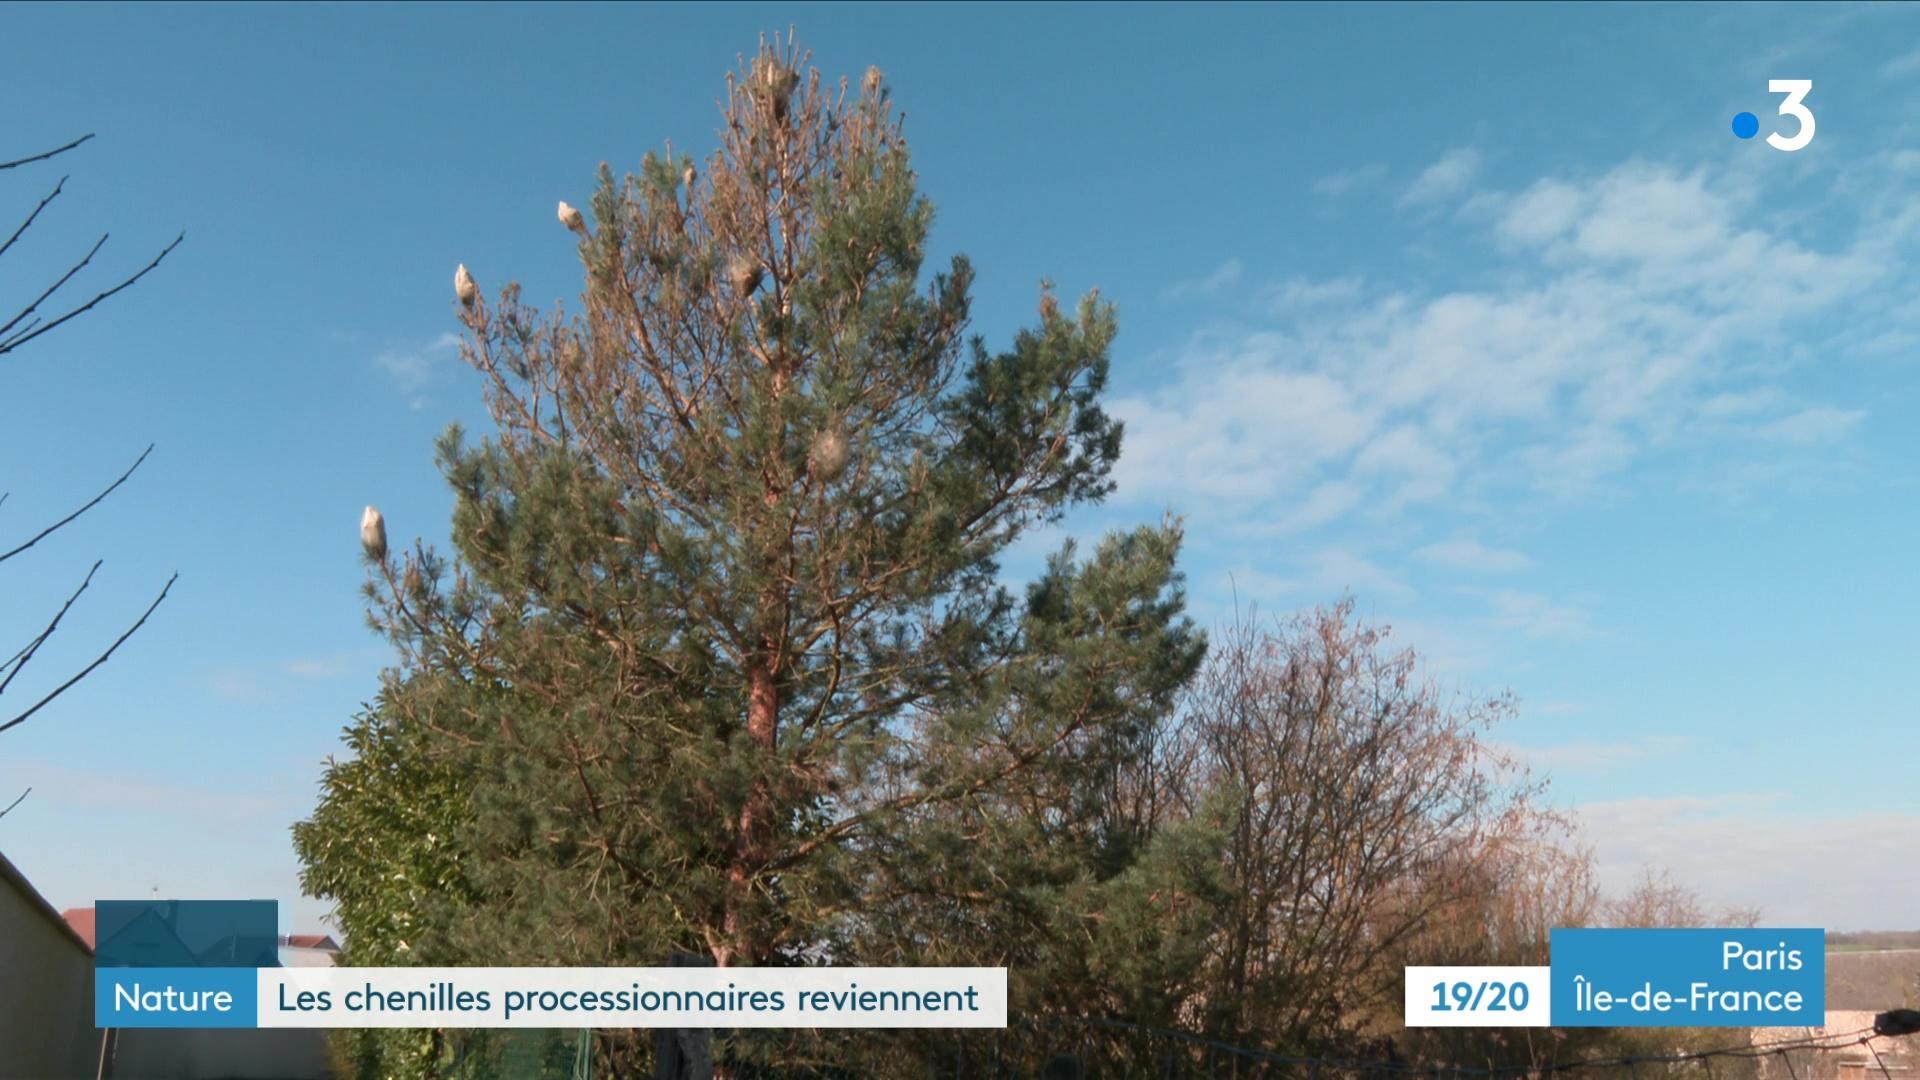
{"x":683,"y":1053}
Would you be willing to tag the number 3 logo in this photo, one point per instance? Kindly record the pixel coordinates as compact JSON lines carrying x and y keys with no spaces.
{"x":1796,"y":91}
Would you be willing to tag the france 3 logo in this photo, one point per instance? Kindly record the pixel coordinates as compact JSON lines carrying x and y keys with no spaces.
{"x":1746,"y":125}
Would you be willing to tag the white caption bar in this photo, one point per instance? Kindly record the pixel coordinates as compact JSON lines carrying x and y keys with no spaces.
{"x":846,"y":997}
{"x":1478,"y":997}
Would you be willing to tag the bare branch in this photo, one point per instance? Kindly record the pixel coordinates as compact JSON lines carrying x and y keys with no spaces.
{"x":101,"y":659}
{"x":91,"y":503}
{"x":49,"y":154}
{"x":34,"y":330}
{"x":16,"y":802}
{"x":21,"y":659}
{"x":51,"y":195}
{"x":50,"y":290}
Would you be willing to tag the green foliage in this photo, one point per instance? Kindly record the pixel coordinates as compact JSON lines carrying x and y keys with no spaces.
{"x":721,"y":661}
{"x":383,"y":839}
{"x":383,"y":844}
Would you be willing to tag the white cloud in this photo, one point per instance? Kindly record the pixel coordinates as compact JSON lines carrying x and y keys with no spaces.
{"x":1621,"y":312}
{"x":1223,"y":277}
{"x":1409,"y":459}
{"x":1444,"y":179}
{"x":262,"y":684}
{"x":1444,"y":648}
{"x":95,"y":790}
{"x":1742,"y":403}
{"x":1334,"y":185}
{"x":1844,"y":872}
{"x":1597,"y":757}
{"x":325,"y":667}
{"x":1468,"y":554}
{"x":1904,"y":64}
{"x":1320,"y":576}
{"x":1651,"y":214}
{"x":1242,"y":430}
{"x":237,"y":685}
{"x":1295,"y":293}
{"x":1537,"y":616}
{"x":1324,"y":503}
{"x":1821,"y":423}
{"x":412,"y":367}
{"x":1337,"y":570}
{"x":1543,"y":212}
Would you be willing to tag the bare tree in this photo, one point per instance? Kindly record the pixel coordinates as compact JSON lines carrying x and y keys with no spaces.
{"x":1367,"y":805}
{"x":44,"y":311}
{"x":1657,"y":900}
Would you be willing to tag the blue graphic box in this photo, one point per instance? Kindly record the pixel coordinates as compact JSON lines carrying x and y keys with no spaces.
{"x":1689,"y":978}
{"x":181,"y":963}
{"x":186,"y":933}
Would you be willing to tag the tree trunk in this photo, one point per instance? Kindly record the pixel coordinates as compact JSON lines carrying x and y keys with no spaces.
{"x":741,"y":931}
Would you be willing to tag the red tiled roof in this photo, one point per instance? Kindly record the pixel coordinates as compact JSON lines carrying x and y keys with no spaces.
{"x":81,"y":919}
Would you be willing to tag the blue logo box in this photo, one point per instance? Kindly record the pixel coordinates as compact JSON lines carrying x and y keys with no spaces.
{"x":181,"y":963}
{"x":186,"y":933}
{"x":1689,"y":978}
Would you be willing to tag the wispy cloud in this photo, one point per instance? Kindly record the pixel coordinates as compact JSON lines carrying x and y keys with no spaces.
{"x":1324,"y":503}
{"x":95,"y":790}
{"x":1469,"y":555}
{"x":1597,"y":757}
{"x":1445,"y":647}
{"x":1223,"y":277}
{"x":1536,"y":616}
{"x":1905,"y":64}
{"x":1294,"y":294}
{"x":1623,"y":311}
{"x":1337,"y":184}
{"x":1317,"y":577}
{"x":412,"y":368}
{"x":261,"y":684}
{"x":1445,"y":179}
{"x":1819,"y":424}
{"x":1341,"y":570}
{"x":331,"y":665}
{"x":1547,"y":209}
{"x":241,"y":686}
{"x":1739,"y":850}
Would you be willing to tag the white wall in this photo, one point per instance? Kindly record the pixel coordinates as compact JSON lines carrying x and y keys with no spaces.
{"x":46,"y":989}
{"x":220,"y":1053}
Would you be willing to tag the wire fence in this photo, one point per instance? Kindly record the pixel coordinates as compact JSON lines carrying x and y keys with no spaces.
{"x":1078,"y":1048}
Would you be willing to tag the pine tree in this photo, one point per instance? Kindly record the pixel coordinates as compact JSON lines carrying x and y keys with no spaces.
{"x":724,"y":630}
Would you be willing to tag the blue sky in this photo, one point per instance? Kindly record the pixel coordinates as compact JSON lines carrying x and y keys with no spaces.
{"x":1479,"y":313}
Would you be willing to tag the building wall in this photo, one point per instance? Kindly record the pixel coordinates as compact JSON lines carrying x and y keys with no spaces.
{"x":220,"y":1053}
{"x":216,"y":1054}
{"x":46,"y":989}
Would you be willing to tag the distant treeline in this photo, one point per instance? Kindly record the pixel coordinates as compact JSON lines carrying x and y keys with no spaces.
{"x":1874,"y":939}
